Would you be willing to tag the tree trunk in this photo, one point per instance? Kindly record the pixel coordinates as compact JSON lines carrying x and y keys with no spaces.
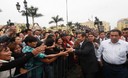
{"x":56,"y":26}
{"x":32,"y":22}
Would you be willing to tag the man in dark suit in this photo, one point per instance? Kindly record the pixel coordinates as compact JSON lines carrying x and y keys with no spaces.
{"x":86,"y":57}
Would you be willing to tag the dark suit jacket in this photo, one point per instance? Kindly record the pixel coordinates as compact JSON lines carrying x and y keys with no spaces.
{"x":86,"y":57}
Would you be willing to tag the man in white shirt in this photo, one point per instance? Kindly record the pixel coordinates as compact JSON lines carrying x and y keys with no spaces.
{"x":112,"y":55}
{"x":125,"y":34}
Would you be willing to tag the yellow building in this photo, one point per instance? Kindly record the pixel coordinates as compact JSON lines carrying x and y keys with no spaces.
{"x":123,"y":23}
{"x":106,"y":26}
{"x":20,"y":26}
{"x":90,"y":24}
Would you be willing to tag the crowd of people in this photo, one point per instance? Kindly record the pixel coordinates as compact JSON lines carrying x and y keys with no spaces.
{"x":98,"y":56}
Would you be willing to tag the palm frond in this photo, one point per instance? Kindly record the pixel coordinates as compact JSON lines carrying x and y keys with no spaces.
{"x":60,"y":19}
{"x":51,"y":22}
{"x":38,"y":15}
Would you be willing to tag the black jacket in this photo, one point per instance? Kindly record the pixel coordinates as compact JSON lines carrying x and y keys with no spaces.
{"x":86,"y":57}
{"x":15,"y":63}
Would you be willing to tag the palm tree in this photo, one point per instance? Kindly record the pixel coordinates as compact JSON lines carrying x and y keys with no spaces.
{"x":56,"y":20}
{"x":70,"y":24}
{"x":32,"y":12}
{"x":62,"y":25}
{"x":77,"y":25}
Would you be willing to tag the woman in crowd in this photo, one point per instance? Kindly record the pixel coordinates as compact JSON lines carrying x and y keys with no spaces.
{"x":17,"y":53}
{"x":7,"y":62}
{"x":72,"y":39}
{"x":5,"y":57}
{"x":60,"y":61}
{"x":66,"y":41}
{"x":18,"y":40}
{"x":21,"y":35}
{"x":59,"y":44}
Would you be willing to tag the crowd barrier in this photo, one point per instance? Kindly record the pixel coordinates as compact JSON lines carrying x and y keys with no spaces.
{"x":61,"y":67}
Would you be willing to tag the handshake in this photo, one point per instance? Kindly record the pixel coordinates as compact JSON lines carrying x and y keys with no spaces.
{"x":69,"y":50}
{"x":42,"y":48}
{"x":66,"y":53}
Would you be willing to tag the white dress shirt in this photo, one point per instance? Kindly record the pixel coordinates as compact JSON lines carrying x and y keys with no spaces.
{"x":102,"y":39}
{"x":113,"y":53}
{"x":81,"y":44}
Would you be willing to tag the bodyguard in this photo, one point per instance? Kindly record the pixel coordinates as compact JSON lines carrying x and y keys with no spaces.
{"x":114,"y":55}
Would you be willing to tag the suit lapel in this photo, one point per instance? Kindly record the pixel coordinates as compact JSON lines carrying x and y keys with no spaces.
{"x":83,"y":44}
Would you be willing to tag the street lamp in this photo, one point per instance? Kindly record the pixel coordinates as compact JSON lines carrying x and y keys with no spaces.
{"x":33,"y":10}
{"x":24,"y":11}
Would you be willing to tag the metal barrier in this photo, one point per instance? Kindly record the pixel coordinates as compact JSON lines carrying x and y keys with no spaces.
{"x":16,"y":76}
{"x":61,"y":67}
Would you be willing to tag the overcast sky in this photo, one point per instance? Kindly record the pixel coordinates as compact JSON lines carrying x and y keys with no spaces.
{"x":78,"y":10}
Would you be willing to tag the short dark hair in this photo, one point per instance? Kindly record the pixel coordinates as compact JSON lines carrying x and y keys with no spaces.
{"x":83,"y":34}
{"x":116,"y":30}
{"x":27,"y":30}
{"x":101,"y":32}
{"x":50,"y":36}
{"x":63,"y":35}
{"x":124,"y":29}
{"x":30,"y":39}
{"x":49,"y":42}
{"x":3,"y":46}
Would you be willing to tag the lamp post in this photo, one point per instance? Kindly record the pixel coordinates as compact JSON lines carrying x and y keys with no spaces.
{"x":24,"y":11}
{"x":67,"y":13}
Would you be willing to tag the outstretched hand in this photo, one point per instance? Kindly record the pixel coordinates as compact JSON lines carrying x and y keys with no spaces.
{"x":63,"y":53}
{"x":39,"y":49}
{"x":69,"y":50}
